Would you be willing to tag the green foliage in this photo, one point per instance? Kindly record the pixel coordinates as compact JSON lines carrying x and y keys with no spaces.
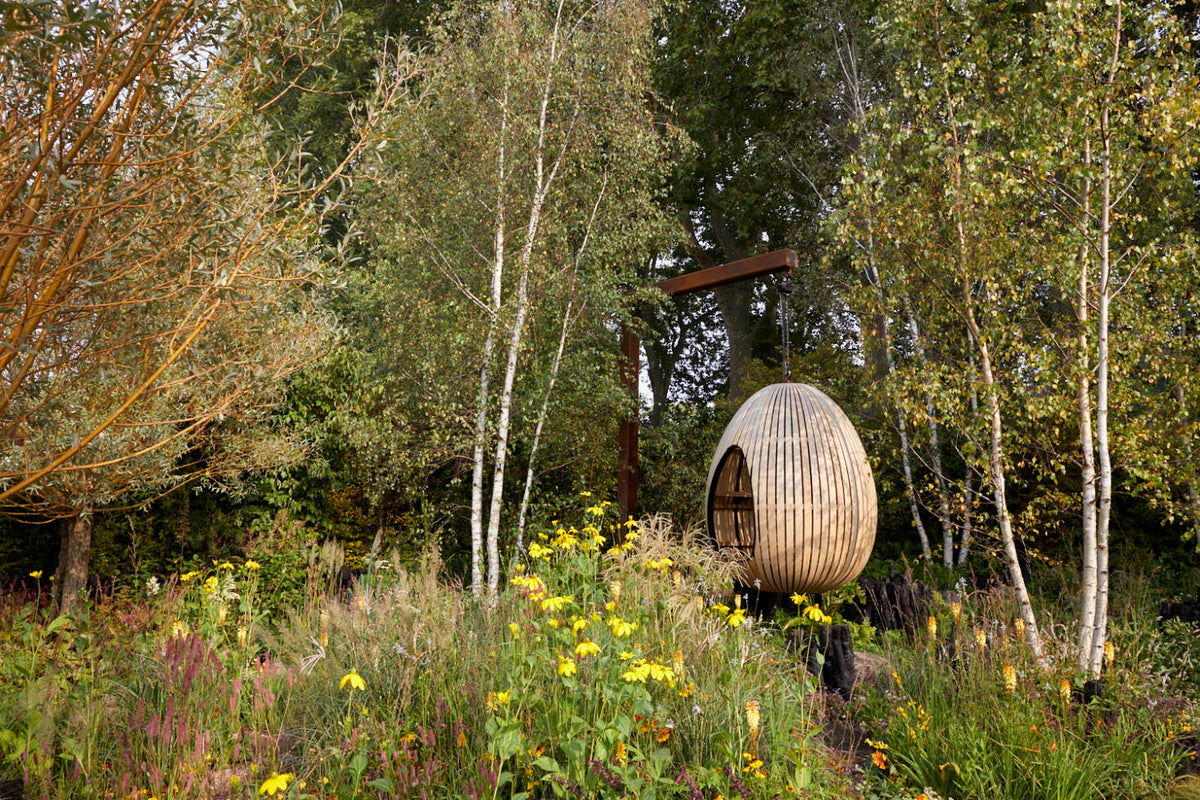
{"x":977,"y":183}
{"x":673,"y":461}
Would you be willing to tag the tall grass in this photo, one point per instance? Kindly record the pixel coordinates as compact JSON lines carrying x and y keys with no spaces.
{"x":968,"y":713}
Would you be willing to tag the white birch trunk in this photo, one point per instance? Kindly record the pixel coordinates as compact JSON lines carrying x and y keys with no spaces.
{"x":1087,"y":591}
{"x":537,"y":431}
{"x":935,"y":454}
{"x":901,"y":424}
{"x":1104,"y":502}
{"x":996,"y":456}
{"x":996,"y":464}
{"x":964,"y":544}
{"x":542,"y":188}
{"x":554,"y":366}
{"x":477,"y":572}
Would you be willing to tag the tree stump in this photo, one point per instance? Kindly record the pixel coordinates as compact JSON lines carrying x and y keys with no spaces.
{"x":835,"y":664}
{"x":898,"y":603}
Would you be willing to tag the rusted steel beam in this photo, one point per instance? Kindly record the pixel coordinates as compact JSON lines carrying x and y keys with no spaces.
{"x":734,"y":271}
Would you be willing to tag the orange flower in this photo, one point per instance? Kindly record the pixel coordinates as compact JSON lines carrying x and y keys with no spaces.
{"x":880,"y":759}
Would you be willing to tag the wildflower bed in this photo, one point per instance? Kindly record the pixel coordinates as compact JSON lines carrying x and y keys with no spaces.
{"x":601,"y":670}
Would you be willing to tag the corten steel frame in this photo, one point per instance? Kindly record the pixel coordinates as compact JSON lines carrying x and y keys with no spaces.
{"x":631,"y":352}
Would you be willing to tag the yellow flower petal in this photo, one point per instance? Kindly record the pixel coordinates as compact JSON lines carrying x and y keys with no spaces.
{"x":354,"y":680}
{"x":276,"y":784}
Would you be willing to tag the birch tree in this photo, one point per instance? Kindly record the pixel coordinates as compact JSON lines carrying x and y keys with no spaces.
{"x":920,"y":175}
{"x":525,"y":187}
{"x":1042,"y":160}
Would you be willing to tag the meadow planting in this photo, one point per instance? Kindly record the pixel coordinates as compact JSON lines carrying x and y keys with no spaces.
{"x":615,"y":661}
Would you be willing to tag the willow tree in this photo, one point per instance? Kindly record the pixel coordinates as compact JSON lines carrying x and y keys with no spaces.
{"x":518,"y":193}
{"x":154,"y":256}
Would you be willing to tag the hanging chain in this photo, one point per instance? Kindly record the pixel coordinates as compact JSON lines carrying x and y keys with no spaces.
{"x":785,"y":288}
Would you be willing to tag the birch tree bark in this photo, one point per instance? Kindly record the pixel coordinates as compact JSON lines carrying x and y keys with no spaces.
{"x":537,"y":431}
{"x":935,"y":448}
{"x":958,"y":209}
{"x":1104,"y":500}
{"x":1087,"y":600}
{"x":481,"y":400}
{"x":498,"y":201}
{"x":543,"y":182}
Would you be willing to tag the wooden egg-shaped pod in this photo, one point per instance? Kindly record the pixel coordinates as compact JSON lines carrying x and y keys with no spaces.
{"x":790,"y":494}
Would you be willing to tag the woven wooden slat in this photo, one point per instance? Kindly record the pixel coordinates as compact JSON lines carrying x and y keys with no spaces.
{"x":790,"y":492}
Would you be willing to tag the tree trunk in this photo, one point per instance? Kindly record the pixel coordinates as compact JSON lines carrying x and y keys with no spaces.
{"x":660,"y":365}
{"x":477,"y":570}
{"x":735,"y":302}
{"x":1087,"y":590}
{"x":543,"y":182}
{"x":902,"y":426}
{"x":537,"y":432}
{"x":1104,"y":502}
{"x":76,"y":548}
{"x":996,"y":463}
{"x":935,"y":448}
{"x":996,"y":456}
{"x":914,"y":505}
{"x":964,"y":543}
